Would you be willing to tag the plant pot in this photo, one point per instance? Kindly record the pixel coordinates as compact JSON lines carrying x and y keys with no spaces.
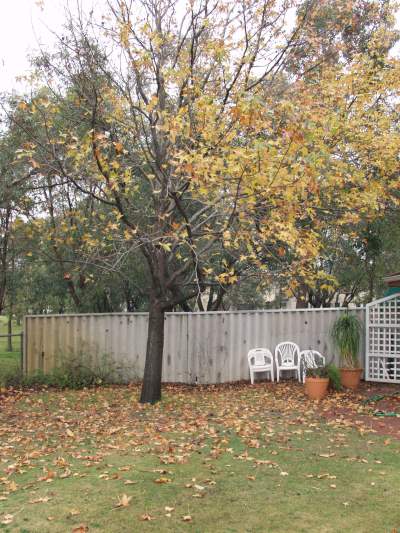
{"x":350,"y":377}
{"x":316,"y":388}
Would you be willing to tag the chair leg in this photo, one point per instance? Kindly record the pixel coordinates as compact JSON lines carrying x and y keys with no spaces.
{"x":252,"y":377}
{"x":277,"y":375}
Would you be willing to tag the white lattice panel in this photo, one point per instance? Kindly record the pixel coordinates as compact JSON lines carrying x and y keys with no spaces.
{"x":383,"y":340}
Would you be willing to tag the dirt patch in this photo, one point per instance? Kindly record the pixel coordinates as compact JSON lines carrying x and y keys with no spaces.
{"x":373,"y":407}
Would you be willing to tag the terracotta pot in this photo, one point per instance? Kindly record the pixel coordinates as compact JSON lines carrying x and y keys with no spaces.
{"x":350,"y":377}
{"x":316,"y":388}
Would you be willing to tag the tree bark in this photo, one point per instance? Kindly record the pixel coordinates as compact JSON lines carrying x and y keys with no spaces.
{"x":151,"y":388}
{"x":301,"y":303}
{"x":9,"y":331}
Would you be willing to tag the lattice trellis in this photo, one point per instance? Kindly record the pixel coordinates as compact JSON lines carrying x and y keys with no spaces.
{"x":383,"y":340}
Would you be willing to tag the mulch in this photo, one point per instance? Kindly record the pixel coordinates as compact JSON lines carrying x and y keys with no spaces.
{"x":373,"y":407}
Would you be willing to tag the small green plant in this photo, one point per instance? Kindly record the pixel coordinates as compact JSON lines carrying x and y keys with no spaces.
{"x":335,"y":382}
{"x":330,"y":371}
{"x":346,"y":336}
{"x":318,"y":372}
{"x":72,"y":373}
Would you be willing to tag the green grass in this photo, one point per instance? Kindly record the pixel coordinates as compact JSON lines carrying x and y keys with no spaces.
{"x":243,"y":459}
{"x":9,"y":361}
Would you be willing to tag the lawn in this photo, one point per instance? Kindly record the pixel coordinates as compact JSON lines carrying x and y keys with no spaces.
{"x":230,"y":459}
{"x":9,"y":361}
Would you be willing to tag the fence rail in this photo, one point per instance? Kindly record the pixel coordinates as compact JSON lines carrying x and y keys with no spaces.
{"x":199,"y":347}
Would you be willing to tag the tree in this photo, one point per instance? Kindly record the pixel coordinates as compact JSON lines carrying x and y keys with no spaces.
{"x":13,"y":200}
{"x":198,"y":166}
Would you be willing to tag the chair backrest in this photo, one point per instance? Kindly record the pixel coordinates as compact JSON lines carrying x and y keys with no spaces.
{"x":259,"y":357}
{"x":287,"y":354}
{"x":312,"y":358}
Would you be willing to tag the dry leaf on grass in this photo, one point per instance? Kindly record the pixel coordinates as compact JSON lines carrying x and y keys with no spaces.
{"x":44,"y":499}
{"x":123,"y":501}
{"x":82,"y":528}
{"x":7,"y":519}
{"x":146,"y":517}
{"x":162,"y":480}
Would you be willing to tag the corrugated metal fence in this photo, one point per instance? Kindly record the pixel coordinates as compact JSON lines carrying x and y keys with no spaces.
{"x":199,"y":347}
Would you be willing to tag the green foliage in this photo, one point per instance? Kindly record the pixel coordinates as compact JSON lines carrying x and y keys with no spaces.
{"x":73,"y":373}
{"x":327,"y":371}
{"x":334,"y":377}
{"x":346,"y":335}
{"x":318,"y":372}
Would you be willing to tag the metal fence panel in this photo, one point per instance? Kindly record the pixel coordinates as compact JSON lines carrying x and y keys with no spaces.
{"x":199,"y":347}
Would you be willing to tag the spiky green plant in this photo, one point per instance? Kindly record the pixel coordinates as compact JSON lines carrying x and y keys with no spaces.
{"x":346,"y":336}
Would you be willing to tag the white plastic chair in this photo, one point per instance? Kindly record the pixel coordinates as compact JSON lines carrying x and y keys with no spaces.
{"x":287,"y":357}
{"x":310,"y":359}
{"x":260,"y":360}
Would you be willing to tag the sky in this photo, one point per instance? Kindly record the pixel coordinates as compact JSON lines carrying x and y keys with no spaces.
{"x":25,"y":25}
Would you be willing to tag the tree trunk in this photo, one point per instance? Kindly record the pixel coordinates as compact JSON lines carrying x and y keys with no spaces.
{"x":151,"y":388}
{"x":371,"y":287}
{"x":301,"y":303}
{"x":9,"y":331}
{"x":3,"y":282}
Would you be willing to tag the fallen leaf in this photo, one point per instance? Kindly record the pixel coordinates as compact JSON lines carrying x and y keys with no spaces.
{"x":123,"y":501}
{"x":162,"y":480}
{"x":82,"y":528}
{"x":146,"y":517}
{"x":187,"y":518}
{"x":12,"y":486}
{"x":7,"y":519}
{"x":40,"y":500}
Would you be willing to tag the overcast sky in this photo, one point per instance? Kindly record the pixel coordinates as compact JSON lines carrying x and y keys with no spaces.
{"x":24,"y":26}
{"x":27,"y":24}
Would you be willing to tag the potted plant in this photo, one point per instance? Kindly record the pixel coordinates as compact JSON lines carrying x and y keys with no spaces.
{"x":317,"y":382}
{"x":346,"y":336}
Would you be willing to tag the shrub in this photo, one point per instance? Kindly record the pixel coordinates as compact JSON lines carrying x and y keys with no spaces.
{"x":334,"y":377}
{"x":72,"y":373}
{"x":346,"y":335}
